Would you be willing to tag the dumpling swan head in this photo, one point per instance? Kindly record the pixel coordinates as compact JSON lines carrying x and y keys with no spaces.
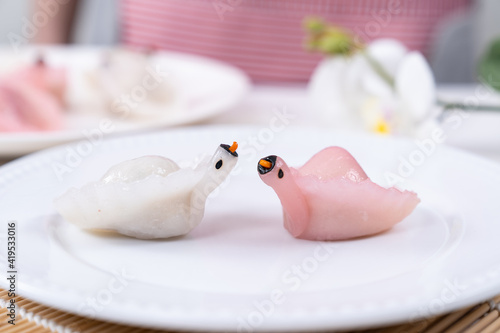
{"x":272,"y":169}
{"x":221,"y":164}
{"x":225,"y":158}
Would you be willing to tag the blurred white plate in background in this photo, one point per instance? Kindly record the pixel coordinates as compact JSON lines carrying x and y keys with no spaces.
{"x":478,"y":131}
{"x":208,"y":87}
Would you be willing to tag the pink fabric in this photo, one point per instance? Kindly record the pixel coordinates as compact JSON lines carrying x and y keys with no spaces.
{"x":265,"y":37}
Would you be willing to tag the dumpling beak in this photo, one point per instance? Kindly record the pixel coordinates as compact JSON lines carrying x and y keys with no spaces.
{"x":266,"y":164}
{"x":231,"y":149}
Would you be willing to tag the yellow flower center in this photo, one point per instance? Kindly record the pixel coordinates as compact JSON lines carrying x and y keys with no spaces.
{"x":382,"y":127}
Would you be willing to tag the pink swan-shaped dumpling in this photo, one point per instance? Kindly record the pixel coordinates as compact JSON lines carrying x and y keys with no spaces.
{"x":331,"y":197}
{"x":32,"y":99}
{"x":51,"y":80}
{"x":25,"y":108}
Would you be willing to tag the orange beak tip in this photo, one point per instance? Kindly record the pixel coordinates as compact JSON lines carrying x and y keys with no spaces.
{"x":233,"y":147}
{"x":265,"y":164}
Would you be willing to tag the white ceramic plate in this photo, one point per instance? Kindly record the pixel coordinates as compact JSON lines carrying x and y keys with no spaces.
{"x":240,"y":269}
{"x":207,"y":87}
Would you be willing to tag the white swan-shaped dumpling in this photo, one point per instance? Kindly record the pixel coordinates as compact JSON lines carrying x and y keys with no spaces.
{"x":148,"y":197}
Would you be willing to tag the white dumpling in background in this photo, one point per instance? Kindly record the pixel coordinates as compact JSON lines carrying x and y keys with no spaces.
{"x":148,"y":197}
{"x":126,"y":84}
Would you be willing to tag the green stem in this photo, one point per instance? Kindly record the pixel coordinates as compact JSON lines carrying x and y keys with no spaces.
{"x":378,"y":68}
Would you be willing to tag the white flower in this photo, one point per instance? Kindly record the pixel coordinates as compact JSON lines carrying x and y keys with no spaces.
{"x":349,"y":92}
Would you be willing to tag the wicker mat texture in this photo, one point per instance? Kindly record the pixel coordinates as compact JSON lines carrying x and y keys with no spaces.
{"x":37,"y":318}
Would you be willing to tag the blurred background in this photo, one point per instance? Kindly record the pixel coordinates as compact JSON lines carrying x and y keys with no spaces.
{"x":453,"y":43}
{"x":414,"y":63}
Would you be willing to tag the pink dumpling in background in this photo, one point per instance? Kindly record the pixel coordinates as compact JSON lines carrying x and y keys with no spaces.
{"x":331,"y":197}
{"x":32,"y":99}
{"x":26,"y":108}
{"x":51,"y":80}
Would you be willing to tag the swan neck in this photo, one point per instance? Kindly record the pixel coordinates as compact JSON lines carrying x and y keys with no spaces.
{"x":294,"y":203}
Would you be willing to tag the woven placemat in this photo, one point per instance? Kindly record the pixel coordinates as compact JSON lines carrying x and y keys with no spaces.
{"x":35,"y":317}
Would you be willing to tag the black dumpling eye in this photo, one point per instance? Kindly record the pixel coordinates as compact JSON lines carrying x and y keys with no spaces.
{"x":280,"y":174}
{"x":218,"y":165}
